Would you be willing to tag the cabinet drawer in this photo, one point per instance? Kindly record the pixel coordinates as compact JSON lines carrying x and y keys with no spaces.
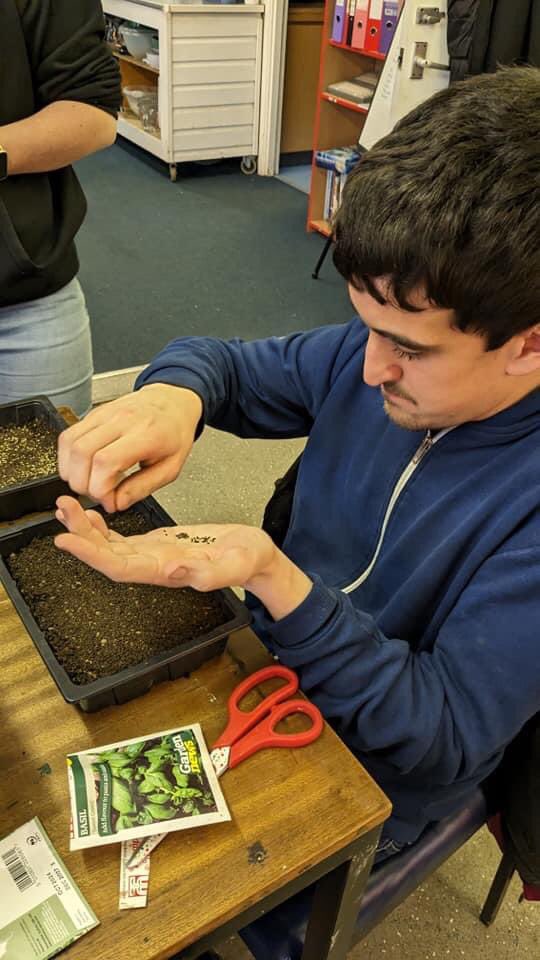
{"x":215,"y":25}
{"x":240,"y":138}
{"x":213,"y":95}
{"x":211,"y":48}
{"x":218,"y":72}
{"x":204,"y":118}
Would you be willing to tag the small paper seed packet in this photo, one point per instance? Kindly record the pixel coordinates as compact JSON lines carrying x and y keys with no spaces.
{"x":133,"y":880}
{"x":42,"y":910}
{"x":148,"y":785}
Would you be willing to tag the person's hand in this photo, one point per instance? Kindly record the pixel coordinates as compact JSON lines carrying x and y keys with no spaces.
{"x":205,"y":556}
{"x":154,"y":427}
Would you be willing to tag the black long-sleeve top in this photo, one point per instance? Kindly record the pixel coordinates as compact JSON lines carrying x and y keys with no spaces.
{"x":50,"y":50}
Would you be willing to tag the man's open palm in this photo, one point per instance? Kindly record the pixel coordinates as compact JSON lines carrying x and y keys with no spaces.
{"x":206,"y":556}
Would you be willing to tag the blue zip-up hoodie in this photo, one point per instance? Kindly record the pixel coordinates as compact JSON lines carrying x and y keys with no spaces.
{"x":420,"y":640}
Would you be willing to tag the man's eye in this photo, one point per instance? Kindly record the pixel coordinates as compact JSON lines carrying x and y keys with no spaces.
{"x":405,"y":354}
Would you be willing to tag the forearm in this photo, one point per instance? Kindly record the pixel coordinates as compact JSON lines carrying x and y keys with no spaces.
{"x":441,"y":714}
{"x":281,"y":586}
{"x":261,"y":388}
{"x":244,"y":385}
{"x":60,"y":134}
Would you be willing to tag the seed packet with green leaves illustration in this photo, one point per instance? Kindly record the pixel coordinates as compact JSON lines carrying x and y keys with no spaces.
{"x":140,"y":787}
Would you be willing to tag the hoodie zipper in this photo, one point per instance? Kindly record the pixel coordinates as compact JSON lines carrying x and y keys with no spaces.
{"x":428,"y":442}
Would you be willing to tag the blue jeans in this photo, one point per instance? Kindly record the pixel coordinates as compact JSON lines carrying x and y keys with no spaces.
{"x":45,"y":348}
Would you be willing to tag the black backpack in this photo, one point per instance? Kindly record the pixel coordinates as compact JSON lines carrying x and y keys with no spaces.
{"x":517,"y":786}
{"x":277,"y":514}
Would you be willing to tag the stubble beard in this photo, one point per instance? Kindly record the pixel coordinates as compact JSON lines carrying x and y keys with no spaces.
{"x":410,"y":421}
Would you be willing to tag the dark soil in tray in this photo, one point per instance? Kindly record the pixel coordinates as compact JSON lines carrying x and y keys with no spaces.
{"x":96,"y":627}
{"x":27,"y":452}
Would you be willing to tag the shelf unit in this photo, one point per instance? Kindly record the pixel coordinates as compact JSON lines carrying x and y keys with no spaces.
{"x":372,"y":54}
{"x":338,"y":121}
{"x":135,"y":72}
{"x":140,"y":64}
{"x":343,"y":102}
{"x":208,"y":81}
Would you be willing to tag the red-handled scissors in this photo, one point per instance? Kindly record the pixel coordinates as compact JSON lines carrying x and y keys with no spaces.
{"x":247,"y":732}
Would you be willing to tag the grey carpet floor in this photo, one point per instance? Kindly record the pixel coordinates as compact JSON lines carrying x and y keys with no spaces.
{"x":216,"y":253}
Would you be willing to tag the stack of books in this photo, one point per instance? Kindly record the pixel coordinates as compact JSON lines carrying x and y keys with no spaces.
{"x":358,"y":90}
{"x":338,"y":163}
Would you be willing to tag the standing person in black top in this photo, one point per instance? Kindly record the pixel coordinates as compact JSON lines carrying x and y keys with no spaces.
{"x":59,"y":97}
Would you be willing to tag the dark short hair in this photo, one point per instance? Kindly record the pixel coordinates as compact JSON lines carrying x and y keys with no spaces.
{"x":449,"y":203}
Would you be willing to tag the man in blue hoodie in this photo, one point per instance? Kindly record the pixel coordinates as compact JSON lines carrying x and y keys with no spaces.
{"x":407,"y":590}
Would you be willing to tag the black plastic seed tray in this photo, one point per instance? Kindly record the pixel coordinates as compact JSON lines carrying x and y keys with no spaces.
{"x":135,"y":680}
{"x":34,"y":496}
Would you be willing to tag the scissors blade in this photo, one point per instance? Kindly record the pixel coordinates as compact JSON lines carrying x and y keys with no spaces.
{"x":220,"y":759}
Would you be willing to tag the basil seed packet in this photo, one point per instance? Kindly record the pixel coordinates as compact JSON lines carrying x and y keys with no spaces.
{"x":42,"y":910}
{"x":140,"y":787}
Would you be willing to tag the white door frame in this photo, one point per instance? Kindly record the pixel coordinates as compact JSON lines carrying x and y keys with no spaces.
{"x":272,"y":76}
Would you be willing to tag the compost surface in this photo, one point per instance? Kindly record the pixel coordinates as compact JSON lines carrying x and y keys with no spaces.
{"x":96,"y":627}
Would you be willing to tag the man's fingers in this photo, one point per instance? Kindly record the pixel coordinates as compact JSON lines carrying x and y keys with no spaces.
{"x":72,"y":515}
{"x":85,"y":523}
{"x":153,"y":427}
{"x":77,"y":446}
{"x":98,"y":522}
{"x":111,"y":464}
{"x":115,"y":560}
{"x":71,"y":434}
{"x":146,"y":481}
{"x":108,"y":464}
{"x":108,"y":502}
{"x":96,"y":462}
{"x":112,"y":564}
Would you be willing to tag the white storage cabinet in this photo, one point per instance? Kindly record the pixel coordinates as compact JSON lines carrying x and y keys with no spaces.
{"x":208,"y":80}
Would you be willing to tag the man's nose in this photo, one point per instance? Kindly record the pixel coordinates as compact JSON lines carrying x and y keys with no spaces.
{"x":380,"y":363}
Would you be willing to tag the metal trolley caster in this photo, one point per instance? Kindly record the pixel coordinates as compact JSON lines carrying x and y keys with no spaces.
{"x":248,"y":165}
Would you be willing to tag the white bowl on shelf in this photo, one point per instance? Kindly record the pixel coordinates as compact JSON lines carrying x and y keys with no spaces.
{"x":137,"y":41}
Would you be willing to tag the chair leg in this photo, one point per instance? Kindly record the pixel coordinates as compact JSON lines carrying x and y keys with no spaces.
{"x":498,"y":889}
{"x":322,"y":257}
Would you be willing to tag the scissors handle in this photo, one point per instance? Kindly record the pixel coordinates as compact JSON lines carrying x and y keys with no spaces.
{"x":264,"y":734}
{"x":240,"y":721}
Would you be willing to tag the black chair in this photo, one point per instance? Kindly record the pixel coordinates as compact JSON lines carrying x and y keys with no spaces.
{"x":328,"y":243}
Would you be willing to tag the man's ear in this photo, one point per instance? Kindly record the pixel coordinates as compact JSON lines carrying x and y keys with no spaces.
{"x":525,"y":358}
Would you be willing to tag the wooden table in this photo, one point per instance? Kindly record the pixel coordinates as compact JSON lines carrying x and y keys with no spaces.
{"x":298,"y":815}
